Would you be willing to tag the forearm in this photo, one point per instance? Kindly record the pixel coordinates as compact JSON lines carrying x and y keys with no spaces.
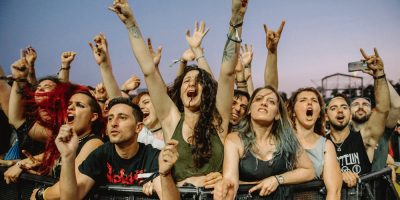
{"x":394,"y":113}
{"x":381,"y":92}
{"x":109,"y":81}
{"x":299,"y":175}
{"x":271,"y":70}
{"x":63,"y":74}
{"x":181,"y":68}
{"x":4,"y":96}
{"x":68,"y":184}
{"x":16,"y":111}
{"x":32,"y":76}
{"x":169,"y":189}
{"x":201,"y":60}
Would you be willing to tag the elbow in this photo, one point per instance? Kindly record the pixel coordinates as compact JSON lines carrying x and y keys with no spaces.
{"x":310,"y":174}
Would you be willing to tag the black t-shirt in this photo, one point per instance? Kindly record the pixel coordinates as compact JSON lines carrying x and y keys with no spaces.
{"x":352,"y":155}
{"x":105,"y":166}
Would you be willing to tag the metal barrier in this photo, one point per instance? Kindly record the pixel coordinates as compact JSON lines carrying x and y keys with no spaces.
{"x":376,"y":185}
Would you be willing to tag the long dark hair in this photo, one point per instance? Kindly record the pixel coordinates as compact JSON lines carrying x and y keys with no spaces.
{"x":209,"y":121}
{"x":319,"y":126}
{"x":287,"y":145}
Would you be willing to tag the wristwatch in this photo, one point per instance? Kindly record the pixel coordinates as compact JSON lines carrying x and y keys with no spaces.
{"x":280,"y":179}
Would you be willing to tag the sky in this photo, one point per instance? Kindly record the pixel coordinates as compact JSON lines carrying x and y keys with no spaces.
{"x":319,"y":39}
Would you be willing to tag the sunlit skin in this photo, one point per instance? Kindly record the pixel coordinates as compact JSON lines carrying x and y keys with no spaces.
{"x":338,"y":113}
{"x":360,"y":110}
{"x":79,"y":113}
{"x":122,"y":125}
{"x":42,"y":88}
{"x":306,"y":109}
{"x":264,"y":108}
{"x":239,"y":106}
{"x":191,"y":91}
{"x":149,"y":114}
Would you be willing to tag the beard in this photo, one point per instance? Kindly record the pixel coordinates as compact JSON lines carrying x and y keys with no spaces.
{"x":360,"y":120}
{"x":339,"y":127}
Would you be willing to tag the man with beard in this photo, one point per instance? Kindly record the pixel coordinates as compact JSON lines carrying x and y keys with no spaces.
{"x":355,"y":149}
{"x":361,"y":112}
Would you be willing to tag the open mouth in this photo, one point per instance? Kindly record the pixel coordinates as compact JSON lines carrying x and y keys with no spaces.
{"x":145,"y":115}
{"x":70,"y":118}
{"x":191,"y":93}
{"x":340,"y":118}
{"x":309,"y":113}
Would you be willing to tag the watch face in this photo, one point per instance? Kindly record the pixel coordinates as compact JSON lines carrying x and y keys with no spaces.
{"x":280,"y":178}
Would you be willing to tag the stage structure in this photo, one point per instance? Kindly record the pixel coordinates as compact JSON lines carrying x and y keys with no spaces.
{"x":341,"y":83}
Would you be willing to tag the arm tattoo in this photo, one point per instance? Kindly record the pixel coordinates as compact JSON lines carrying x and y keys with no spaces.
{"x":135,"y":31}
{"x":229,"y":50}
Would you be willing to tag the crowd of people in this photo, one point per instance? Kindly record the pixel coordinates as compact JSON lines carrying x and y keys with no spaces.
{"x":199,"y":131}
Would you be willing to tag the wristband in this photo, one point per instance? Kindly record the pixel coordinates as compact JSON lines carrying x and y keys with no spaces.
{"x":197,"y":59}
{"x":40,"y":193}
{"x":277,"y":180}
{"x":164,"y":174}
{"x":379,"y":77}
{"x":65,"y":68}
{"x":236,"y":25}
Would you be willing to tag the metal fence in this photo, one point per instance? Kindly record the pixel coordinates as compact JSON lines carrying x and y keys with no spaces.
{"x":376,"y":185}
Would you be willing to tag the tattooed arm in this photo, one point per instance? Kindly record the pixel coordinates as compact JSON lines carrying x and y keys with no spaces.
{"x":229,"y":60}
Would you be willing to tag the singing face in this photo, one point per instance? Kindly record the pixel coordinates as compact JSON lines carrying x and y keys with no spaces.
{"x":338,"y":113}
{"x":79,"y":113}
{"x":191,"y":91}
{"x":122,"y":127}
{"x":306,"y":109}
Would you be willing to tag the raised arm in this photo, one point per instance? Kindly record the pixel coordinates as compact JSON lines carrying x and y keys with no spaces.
{"x":187,"y":56}
{"x":166,"y":110}
{"x":102,"y":57}
{"x":271,"y":66}
{"x":194,"y":42}
{"x":376,"y":124}
{"x":16,"y":109}
{"x":5,"y":91}
{"x":30,"y":56}
{"x":394,"y":113}
{"x":246,"y":56}
{"x":66,"y":59}
{"x":229,"y":59}
{"x":156,"y":57}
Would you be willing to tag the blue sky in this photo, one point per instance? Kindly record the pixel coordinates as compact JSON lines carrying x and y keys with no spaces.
{"x":319,"y":39}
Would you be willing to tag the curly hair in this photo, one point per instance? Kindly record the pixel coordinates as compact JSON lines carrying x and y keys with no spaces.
{"x":319,"y":126}
{"x":287,"y":145}
{"x":209,"y":121}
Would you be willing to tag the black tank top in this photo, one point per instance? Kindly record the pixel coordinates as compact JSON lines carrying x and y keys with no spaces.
{"x":254,"y":169}
{"x":352,"y":155}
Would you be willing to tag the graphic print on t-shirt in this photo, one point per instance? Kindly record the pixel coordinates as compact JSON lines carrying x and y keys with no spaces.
{"x":350,"y":162}
{"x":121,"y":178}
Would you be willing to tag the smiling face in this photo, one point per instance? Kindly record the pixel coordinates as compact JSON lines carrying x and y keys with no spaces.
{"x":265,"y":107}
{"x":338,"y":113}
{"x":122,"y":126}
{"x":44,"y":87}
{"x":306,"y":109}
{"x":79,"y":113}
{"x":191,"y":91}
{"x":360,"y":110}
{"x":149,"y":115}
{"x":239,"y":106}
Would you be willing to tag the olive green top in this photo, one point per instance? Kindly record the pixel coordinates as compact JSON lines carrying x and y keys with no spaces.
{"x":185,"y":167}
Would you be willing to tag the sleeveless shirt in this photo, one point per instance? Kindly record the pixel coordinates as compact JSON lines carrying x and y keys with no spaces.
{"x":185,"y":167}
{"x":352,"y":155}
{"x":317,"y":156}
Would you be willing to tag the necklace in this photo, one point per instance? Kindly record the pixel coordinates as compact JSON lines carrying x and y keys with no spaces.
{"x":155,"y":130}
{"x":82,"y":138}
{"x":338,"y":147}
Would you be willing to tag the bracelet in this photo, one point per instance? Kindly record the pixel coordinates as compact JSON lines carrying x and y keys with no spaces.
{"x":39,"y":194}
{"x":244,"y":81}
{"x":247,"y":66}
{"x":125,"y":91}
{"x":65,"y":68}
{"x":197,"y":59}
{"x":21,"y":80}
{"x":379,"y":77}
{"x":237,"y":25}
{"x":277,"y":180}
{"x":101,"y":100}
{"x":234,"y":40}
{"x":164,"y":174}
